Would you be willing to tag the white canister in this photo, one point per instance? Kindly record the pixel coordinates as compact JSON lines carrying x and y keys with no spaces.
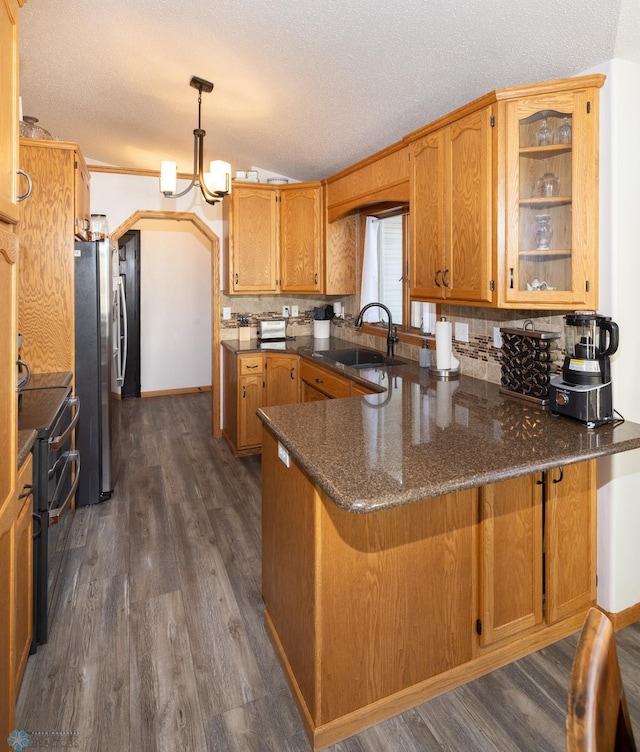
{"x":322,"y":329}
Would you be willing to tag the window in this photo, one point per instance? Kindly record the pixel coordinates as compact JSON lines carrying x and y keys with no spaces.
{"x":384,"y":274}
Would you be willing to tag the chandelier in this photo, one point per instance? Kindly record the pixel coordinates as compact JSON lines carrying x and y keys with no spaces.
{"x":213,"y":184}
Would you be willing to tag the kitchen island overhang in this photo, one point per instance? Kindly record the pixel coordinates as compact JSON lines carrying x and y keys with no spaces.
{"x":381,"y":571}
{"x":368,"y":454}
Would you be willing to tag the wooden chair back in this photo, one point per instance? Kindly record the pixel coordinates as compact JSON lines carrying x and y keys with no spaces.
{"x":597,"y":714}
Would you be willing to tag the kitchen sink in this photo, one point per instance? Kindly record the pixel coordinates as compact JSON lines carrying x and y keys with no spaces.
{"x":360,"y":357}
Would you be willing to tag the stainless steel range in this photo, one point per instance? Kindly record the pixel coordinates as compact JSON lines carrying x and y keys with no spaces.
{"x":52,"y":412}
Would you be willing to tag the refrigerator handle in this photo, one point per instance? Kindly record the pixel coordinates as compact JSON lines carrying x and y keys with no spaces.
{"x":125,"y":331}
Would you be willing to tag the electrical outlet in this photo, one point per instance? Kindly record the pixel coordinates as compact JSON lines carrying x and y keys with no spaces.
{"x":461,"y":332}
{"x":226,"y":313}
{"x":294,"y":310}
{"x":497,"y":337}
{"x":285,"y":311}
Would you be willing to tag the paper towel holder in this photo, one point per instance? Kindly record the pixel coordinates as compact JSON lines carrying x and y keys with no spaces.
{"x":444,"y":374}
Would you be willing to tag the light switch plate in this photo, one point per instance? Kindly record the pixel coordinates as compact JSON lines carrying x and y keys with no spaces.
{"x":226,"y":313}
{"x":294,"y":310}
{"x":461,"y":332}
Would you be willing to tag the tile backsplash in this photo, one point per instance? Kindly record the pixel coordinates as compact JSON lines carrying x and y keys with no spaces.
{"x":478,"y":357}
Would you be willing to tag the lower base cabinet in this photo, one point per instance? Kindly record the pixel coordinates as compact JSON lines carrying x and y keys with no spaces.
{"x":370,"y":614}
{"x":532,"y":571}
{"x":255,"y":380}
{"x":16,"y":588}
{"x":252,"y":381}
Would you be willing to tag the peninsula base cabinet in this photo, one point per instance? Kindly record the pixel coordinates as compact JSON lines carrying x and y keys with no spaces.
{"x":371,"y":614}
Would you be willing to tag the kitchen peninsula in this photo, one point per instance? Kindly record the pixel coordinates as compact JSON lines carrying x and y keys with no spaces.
{"x":418,"y":538}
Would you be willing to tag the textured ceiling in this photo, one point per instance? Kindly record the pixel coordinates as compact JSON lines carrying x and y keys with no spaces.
{"x":303,"y":89}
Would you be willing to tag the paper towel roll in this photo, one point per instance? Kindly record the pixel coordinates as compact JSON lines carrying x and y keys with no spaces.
{"x":443,"y":345}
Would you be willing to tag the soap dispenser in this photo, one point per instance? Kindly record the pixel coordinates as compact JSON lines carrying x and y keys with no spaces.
{"x":425,"y":355}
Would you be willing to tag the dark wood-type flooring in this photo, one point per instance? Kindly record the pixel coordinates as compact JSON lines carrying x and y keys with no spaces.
{"x":158,"y":642}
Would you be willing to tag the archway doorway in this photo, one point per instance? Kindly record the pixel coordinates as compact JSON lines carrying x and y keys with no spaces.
{"x":214,"y":243}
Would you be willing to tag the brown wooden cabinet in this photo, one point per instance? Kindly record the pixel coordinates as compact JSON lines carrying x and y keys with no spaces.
{"x":251,"y":381}
{"x":9,"y":214}
{"x":407,"y":584}
{"x":301,"y":233}
{"x":282,"y":382}
{"x":251,"y":230}
{"x":321,"y":383}
{"x":537,"y":550}
{"x":277,"y":242}
{"x":9,"y":111}
{"x":551,"y":198}
{"x":500,"y":216}
{"x":49,"y":225}
{"x":451,"y":209}
{"x":274,"y":238}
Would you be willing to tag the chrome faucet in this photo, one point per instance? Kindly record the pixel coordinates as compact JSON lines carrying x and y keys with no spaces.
{"x":391,"y":338}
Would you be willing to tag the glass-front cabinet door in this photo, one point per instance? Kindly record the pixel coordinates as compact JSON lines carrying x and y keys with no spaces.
{"x":552,"y":200}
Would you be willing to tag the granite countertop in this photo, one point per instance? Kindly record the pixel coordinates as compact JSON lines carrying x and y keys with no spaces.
{"x":423,"y":437}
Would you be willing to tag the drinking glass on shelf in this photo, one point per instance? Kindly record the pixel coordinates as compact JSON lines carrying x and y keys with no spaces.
{"x":544,"y":137}
{"x":563,"y":134}
{"x":548,"y":185}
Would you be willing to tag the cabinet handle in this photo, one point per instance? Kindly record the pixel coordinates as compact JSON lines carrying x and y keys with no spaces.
{"x":253,"y":366}
{"x":315,"y":278}
{"x":29,"y":185}
{"x":559,"y":480}
{"x":319,"y":381}
{"x":293,"y":372}
{"x":236,"y":278}
{"x":511,"y":278}
{"x":244,"y":392}
{"x":435,"y":278}
{"x":444,"y":278}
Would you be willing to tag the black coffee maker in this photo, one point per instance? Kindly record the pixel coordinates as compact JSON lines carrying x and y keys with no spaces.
{"x":583,"y":391}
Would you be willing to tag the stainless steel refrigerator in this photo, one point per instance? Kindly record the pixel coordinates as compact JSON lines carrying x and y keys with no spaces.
{"x":97,"y":315}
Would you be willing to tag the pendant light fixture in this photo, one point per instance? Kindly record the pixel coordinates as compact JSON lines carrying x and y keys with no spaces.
{"x":213,"y":184}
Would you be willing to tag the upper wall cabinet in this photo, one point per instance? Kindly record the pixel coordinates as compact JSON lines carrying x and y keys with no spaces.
{"x":51,"y":219}
{"x":504,"y":199}
{"x":9,"y":112}
{"x":275,"y":242}
{"x":451,"y":209}
{"x":551,"y":200}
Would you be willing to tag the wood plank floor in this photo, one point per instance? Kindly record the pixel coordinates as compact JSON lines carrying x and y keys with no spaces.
{"x":158,"y":642}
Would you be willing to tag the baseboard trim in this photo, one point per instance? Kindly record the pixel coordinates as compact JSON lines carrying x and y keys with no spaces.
{"x":336,"y":730}
{"x":622,"y":619}
{"x":185,"y":390}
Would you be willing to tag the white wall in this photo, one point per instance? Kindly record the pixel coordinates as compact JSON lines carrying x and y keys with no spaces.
{"x":619,"y":475}
{"x":175,"y":307}
{"x":175,"y":279}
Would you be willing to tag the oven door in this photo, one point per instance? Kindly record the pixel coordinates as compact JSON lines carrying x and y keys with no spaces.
{"x":64,"y":462}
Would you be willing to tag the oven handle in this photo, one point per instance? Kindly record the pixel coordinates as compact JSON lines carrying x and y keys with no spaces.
{"x":71,"y":457}
{"x":57,"y":441}
{"x":36,"y":519}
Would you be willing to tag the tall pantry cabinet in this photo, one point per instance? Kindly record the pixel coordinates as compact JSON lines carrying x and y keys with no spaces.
{"x":9,"y":215}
